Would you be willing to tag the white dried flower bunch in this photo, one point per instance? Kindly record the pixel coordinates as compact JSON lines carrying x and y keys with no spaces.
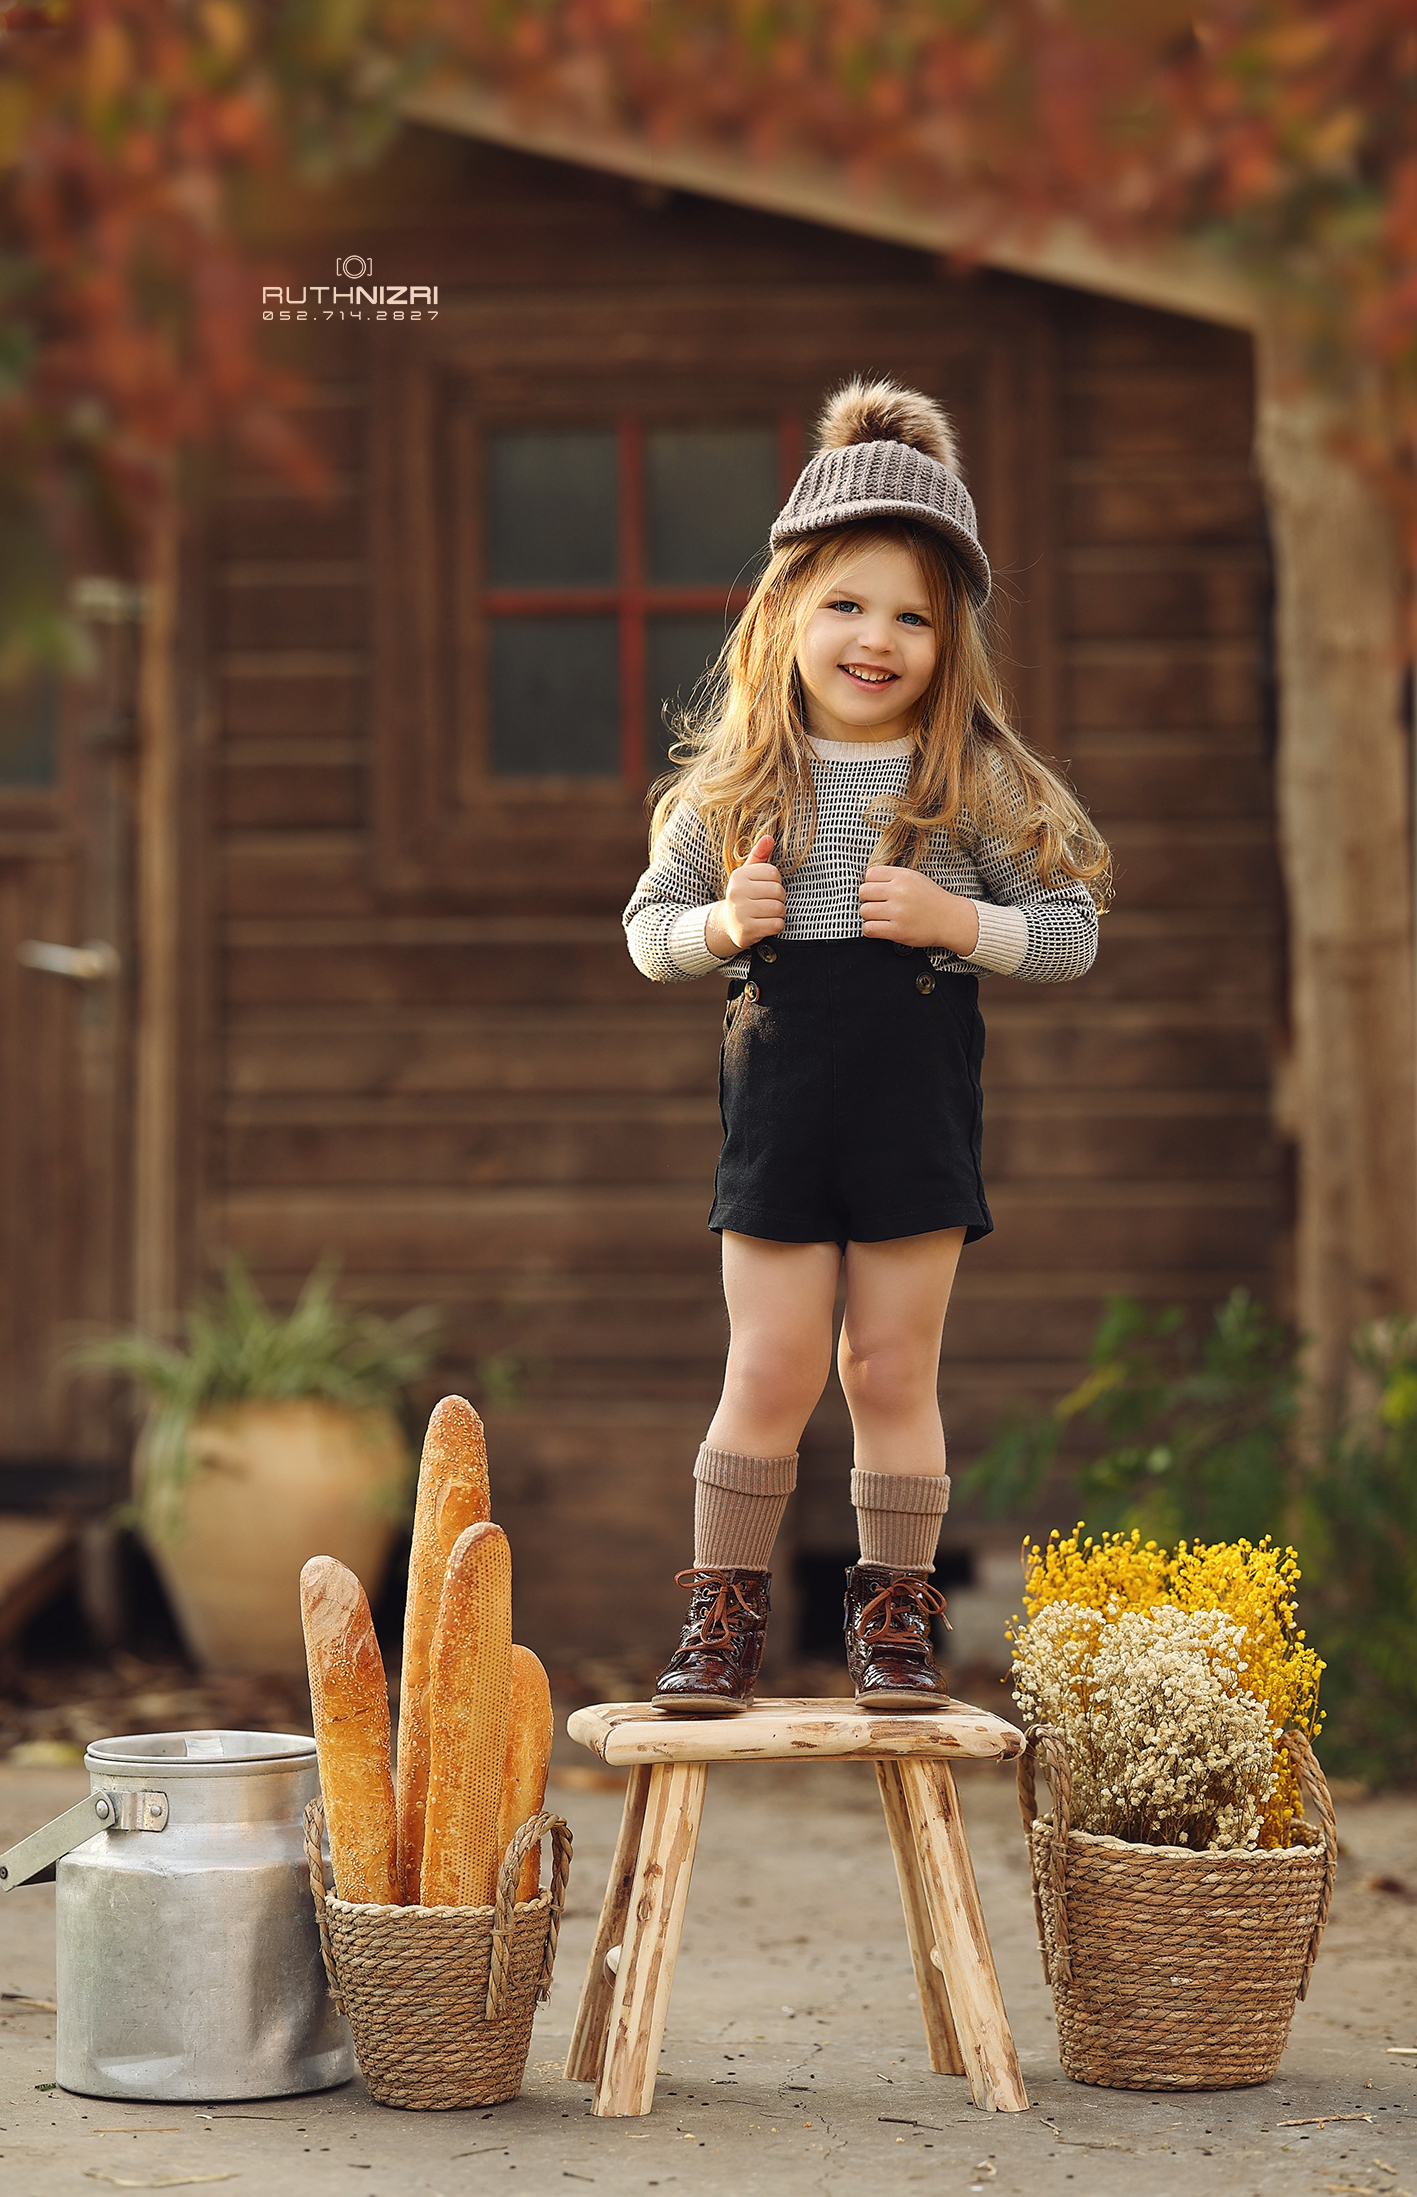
{"x":1166,"y":1747}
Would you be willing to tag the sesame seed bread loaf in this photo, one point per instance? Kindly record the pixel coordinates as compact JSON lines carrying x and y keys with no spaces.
{"x":469,"y":1685}
{"x":453,"y":1493}
{"x":528,"y":1760}
{"x":349,"y":1698}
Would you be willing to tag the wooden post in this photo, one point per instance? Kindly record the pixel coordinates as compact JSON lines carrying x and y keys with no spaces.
{"x":966,"y":1961}
{"x":645,"y":1976}
{"x":1345,"y":834}
{"x":587,"y":2052}
{"x":155,"y":1124}
{"x":945,"y":2055}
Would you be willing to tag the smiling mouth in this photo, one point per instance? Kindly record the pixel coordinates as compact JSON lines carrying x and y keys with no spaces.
{"x":865,"y":677}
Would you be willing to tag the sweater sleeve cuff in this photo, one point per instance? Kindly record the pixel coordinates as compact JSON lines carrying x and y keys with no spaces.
{"x":1003,"y":938}
{"x":685,"y":946}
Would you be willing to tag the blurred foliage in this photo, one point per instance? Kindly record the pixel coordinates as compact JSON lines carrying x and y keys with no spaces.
{"x":1198,"y":1436}
{"x":1359,"y":1525}
{"x":1277,"y":132}
{"x":1216,"y":1438}
{"x":237,"y":1350}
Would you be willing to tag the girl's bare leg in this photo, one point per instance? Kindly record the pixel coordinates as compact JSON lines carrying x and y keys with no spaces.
{"x":897,"y":1295}
{"x":780,"y":1301}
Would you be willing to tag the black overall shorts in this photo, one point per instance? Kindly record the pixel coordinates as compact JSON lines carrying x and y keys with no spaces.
{"x":850,"y":1096}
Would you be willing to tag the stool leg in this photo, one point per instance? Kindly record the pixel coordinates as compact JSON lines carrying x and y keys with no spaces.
{"x":945,"y":2055}
{"x":947,"y":1873}
{"x":593,"y":2014}
{"x":645,"y":1977}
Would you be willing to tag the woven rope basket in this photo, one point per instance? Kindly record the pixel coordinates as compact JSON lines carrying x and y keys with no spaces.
{"x":1173,"y":1970}
{"x":441,"y":1999}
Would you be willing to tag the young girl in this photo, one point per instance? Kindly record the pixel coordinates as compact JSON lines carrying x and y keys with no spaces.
{"x":854,"y":833}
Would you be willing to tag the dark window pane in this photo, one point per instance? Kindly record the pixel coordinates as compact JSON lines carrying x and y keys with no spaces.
{"x":710,"y":498}
{"x":29,"y":732}
{"x":678,"y":654}
{"x":555,"y":698}
{"x":551,"y":510}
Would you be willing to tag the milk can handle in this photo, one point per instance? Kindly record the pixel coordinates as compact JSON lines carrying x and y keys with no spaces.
{"x":37,"y":1854}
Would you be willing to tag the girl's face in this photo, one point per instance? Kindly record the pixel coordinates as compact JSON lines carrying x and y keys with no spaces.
{"x":868,"y":650}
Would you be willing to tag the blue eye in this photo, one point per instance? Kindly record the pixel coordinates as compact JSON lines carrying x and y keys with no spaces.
{"x":912,"y":618}
{"x":843,"y":602}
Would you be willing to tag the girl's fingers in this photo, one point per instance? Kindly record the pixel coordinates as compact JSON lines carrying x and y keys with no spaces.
{"x":762,"y":851}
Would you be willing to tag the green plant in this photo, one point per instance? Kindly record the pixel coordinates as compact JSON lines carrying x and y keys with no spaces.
{"x":236,"y":1350}
{"x":1217,"y":1439}
{"x":1197,"y":1438}
{"x":1359,"y":1528}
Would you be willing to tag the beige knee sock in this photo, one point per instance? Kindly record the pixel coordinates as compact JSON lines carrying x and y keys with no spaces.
{"x":738,"y":1506}
{"x":898,"y":1516}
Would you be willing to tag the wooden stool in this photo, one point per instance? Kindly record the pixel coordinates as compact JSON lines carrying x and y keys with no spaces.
{"x":625,"y":1998}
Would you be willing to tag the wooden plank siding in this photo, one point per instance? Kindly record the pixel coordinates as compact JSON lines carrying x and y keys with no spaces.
{"x":461,"y":1084}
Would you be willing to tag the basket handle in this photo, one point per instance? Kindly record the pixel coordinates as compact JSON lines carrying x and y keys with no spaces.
{"x":1045,"y":1749}
{"x":314,"y":1837}
{"x":532,"y":1832}
{"x":1315,"y":1787}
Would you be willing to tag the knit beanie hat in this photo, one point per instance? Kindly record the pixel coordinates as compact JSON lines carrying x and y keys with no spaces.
{"x":886,"y":453}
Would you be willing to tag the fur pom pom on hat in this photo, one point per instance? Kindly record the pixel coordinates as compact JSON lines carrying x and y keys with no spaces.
{"x":881,"y":411}
{"x":886,"y":453}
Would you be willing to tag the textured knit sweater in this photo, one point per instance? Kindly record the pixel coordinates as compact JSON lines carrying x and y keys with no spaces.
{"x":1045,"y":935}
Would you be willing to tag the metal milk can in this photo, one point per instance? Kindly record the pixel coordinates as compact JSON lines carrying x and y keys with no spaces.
{"x":188,"y":1953}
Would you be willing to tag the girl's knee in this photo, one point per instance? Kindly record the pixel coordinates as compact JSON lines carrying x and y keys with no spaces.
{"x":890,"y":1379}
{"x":776,"y":1381}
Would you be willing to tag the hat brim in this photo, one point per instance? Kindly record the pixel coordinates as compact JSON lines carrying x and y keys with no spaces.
{"x":977,"y":577}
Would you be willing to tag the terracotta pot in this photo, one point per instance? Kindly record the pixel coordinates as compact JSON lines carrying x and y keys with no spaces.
{"x":275,"y":1484}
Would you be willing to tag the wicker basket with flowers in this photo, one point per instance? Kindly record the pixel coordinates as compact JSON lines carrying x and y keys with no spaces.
{"x":1180,"y":1890}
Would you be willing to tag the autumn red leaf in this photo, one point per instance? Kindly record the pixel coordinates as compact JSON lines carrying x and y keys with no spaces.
{"x":1276,"y":133}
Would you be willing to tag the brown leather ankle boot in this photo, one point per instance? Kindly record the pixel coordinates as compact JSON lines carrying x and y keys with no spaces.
{"x":713,"y":1669}
{"x":888,"y":1648}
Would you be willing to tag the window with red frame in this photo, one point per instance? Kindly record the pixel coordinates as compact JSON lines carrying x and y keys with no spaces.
{"x":615,"y":559}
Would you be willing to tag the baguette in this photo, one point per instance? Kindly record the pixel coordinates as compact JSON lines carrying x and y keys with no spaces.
{"x":469,"y":1688}
{"x":349,"y":1700}
{"x":453,"y":1493}
{"x":528,"y":1760}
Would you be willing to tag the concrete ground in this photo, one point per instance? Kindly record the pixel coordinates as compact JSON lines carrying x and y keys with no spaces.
{"x":794,"y":2058}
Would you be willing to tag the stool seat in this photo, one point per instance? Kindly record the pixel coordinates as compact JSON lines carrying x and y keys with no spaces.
{"x":625,"y":1998}
{"x":793,"y":1729}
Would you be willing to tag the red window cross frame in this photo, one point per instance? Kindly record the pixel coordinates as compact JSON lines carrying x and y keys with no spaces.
{"x":634,"y":598}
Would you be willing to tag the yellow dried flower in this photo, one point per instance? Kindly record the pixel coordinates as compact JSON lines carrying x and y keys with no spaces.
{"x":1252,"y":1583}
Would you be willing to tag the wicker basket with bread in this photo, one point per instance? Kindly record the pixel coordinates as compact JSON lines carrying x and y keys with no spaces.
{"x":438,"y":1936}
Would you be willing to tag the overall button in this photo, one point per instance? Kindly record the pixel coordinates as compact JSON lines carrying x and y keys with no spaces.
{"x":924,"y":982}
{"x":750,"y":993}
{"x":903,"y":951}
{"x":767,"y":953}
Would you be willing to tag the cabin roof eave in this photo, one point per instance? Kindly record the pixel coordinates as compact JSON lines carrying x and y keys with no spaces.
{"x":1176,"y":277}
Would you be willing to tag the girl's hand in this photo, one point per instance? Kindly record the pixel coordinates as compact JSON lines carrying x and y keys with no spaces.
{"x":904,"y":906}
{"x":755,"y":905}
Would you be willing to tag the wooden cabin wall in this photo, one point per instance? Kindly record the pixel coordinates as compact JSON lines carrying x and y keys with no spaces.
{"x":473,"y":1099}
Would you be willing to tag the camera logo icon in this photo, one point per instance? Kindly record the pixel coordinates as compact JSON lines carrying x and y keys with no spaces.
{"x":354,"y":267}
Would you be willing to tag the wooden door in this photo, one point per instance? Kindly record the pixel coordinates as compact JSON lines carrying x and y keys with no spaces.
{"x":64,"y":993}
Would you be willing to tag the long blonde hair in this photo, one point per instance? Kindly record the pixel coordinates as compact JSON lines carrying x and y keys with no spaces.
{"x":741,"y":755}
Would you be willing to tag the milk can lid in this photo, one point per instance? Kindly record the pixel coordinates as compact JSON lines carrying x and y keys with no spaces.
{"x":201,"y":1754}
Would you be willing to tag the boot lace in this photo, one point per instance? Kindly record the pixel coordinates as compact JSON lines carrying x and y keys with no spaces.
{"x":715,"y":1625}
{"x":900,"y":1612}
